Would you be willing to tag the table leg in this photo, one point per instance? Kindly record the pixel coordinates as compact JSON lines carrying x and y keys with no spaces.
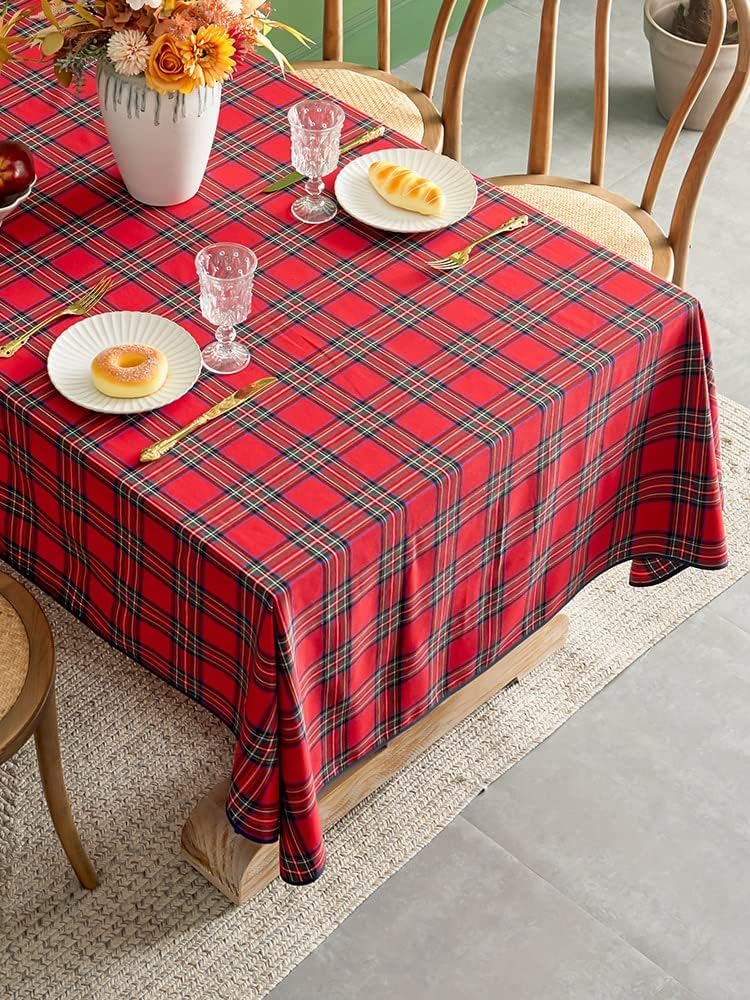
{"x":240,"y":868}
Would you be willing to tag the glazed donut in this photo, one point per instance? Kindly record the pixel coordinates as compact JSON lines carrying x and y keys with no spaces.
{"x":129,"y":370}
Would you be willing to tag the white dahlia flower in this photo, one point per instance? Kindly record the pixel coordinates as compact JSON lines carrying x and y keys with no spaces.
{"x":241,"y":8}
{"x":128,"y":51}
{"x":138,"y":4}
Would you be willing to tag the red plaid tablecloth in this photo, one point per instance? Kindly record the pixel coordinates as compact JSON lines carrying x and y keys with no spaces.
{"x":446,"y":461}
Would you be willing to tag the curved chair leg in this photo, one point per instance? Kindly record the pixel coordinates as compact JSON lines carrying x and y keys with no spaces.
{"x":50,"y":767}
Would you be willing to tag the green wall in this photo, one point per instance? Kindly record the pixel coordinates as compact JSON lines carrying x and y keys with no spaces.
{"x":412,"y":23}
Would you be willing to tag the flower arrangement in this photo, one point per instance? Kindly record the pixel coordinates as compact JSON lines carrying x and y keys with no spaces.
{"x":176,"y":45}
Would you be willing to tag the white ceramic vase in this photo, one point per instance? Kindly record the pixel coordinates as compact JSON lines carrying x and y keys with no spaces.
{"x":161,"y":142}
{"x":674,"y":60}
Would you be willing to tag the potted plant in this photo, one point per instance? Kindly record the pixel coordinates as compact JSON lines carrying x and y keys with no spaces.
{"x":677,"y":32}
{"x":160,"y":68}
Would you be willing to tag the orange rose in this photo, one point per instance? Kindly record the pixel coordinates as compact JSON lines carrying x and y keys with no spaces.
{"x":165,"y":71}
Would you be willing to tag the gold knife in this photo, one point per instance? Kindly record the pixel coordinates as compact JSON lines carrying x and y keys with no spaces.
{"x":288,"y":179}
{"x":223,"y":406}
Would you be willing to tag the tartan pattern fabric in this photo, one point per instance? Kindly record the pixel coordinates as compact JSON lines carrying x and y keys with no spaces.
{"x":446,"y":460}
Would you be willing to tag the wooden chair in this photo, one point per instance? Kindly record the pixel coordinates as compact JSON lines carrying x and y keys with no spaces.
{"x":27,"y":705}
{"x":609,"y":219}
{"x":386,"y":98}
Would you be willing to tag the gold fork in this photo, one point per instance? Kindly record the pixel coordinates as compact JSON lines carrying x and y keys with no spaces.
{"x":79,"y":307}
{"x":461,"y":257}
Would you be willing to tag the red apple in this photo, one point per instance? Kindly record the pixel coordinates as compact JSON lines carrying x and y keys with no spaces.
{"x":17,"y":172}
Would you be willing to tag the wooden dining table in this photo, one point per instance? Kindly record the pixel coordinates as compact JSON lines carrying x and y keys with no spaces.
{"x":347,"y":565}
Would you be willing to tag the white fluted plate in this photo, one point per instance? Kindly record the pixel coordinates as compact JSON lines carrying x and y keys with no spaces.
{"x":70,"y":357}
{"x":358,"y":197}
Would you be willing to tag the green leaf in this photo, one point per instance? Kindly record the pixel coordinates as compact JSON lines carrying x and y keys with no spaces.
{"x":297,"y":35}
{"x":280,"y":58}
{"x":49,"y":13}
{"x":86,"y":15}
{"x":64,"y":76}
{"x":52,"y":43}
{"x":13,"y":19}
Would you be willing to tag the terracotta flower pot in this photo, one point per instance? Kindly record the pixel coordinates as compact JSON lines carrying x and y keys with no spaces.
{"x":674,"y":61}
{"x":161,"y":142}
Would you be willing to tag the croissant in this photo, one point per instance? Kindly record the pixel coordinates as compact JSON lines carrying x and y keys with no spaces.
{"x":405,"y":189}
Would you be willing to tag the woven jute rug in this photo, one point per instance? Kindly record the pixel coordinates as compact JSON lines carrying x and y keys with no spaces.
{"x":137,"y":755}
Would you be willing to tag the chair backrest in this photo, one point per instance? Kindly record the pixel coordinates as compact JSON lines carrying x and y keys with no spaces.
{"x":333,"y":48}
{"x":540,"y":142}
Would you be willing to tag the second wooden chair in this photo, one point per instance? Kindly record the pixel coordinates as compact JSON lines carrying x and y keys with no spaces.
{"x":602,"y":215}
{"x":386,"y":98}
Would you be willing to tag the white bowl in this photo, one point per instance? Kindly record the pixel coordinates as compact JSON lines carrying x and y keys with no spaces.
{"x":5,"y":212}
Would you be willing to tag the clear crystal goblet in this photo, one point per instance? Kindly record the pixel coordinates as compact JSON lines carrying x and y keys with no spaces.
{"x":225,"y":275}
{"x":316,"y":135}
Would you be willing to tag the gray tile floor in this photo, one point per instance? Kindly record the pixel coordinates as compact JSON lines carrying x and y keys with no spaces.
{"x":613,"y":862}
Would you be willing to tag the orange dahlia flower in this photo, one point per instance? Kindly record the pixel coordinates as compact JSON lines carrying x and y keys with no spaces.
{"x":208,"y":55}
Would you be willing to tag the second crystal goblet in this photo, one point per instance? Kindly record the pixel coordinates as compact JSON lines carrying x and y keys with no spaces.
{"x":225,"y":274}
{"x":316,"y":135}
